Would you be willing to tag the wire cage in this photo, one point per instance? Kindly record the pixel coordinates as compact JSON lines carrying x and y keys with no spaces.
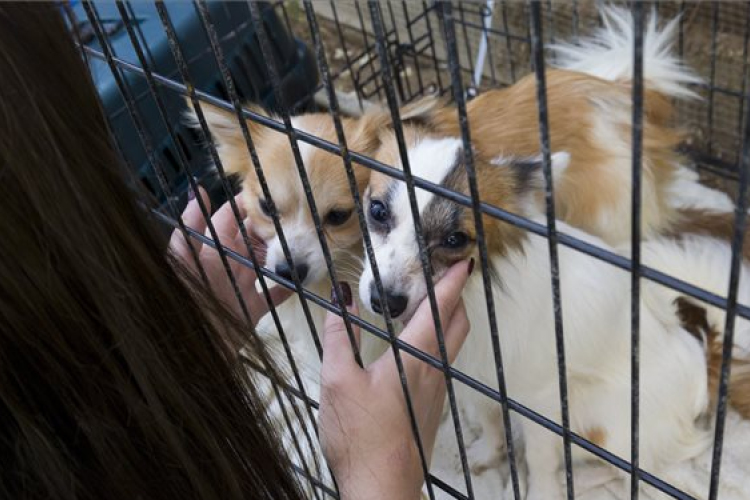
{"x":354,"y":56}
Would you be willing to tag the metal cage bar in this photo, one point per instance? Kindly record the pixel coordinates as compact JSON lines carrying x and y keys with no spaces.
{"x":635,"y":283}
{"x":537,"y":43}
{"x":377,"y":22}
{"x":508,"y":48}
{"x":74,"y":21}
{"x":347,"y":57}
{"x":740,"y":226}
{"x":484,"y":260}
{"x":276,"y":84}
{"x":712,"y":76}
{"x":334,"y":110}
{"x":745,"y":66}
{"x":413,"y":43}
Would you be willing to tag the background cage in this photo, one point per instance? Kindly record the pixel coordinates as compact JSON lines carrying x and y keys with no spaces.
{"x":388,"y":53}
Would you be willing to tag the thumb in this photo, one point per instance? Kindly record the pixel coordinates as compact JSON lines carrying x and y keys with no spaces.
{"x":337,"y":349}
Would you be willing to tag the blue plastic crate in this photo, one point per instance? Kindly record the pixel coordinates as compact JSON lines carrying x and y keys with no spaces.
{"x":234,"y":27}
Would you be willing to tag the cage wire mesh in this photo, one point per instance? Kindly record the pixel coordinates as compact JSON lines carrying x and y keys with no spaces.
{"x":349,"y":57}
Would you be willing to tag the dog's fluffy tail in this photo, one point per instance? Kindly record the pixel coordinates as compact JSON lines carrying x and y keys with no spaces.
{"x":609,"y":54}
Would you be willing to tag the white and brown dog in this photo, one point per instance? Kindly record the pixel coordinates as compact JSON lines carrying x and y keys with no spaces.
{"x":590,"y":128}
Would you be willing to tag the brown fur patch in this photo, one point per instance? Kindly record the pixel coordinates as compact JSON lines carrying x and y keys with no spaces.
{"x":505,"y":121}
{"x":739,"y":390}
{"x":694,"y":319}
{"x":718,"y":225}
{"x":498,"y":186}
{"x":596,"y":435}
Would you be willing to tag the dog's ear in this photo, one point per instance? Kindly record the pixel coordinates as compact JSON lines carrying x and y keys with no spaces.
{"x":223,"y":124}
{"x":528,"y":173}
{"x":363,"y":133}
{"x":366,"y":135}
{"x":227,"y":135}
{"x":422,"y":111}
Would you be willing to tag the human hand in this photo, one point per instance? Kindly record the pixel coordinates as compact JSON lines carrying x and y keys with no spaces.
{"x":230,"y":237}
{"x":366,"y":434}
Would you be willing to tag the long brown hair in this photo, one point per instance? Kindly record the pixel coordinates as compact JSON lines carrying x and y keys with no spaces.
{"x":113,"y":381}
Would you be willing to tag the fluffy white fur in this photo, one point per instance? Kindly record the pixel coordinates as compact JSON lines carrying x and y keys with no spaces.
{"x":706,"y":261}
{"x":596,"y":319}
{"x":608,"y":54}
{"x":687,"y":192}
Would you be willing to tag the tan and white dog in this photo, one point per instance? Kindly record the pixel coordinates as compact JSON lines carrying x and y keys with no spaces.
{"x":590,"y":128}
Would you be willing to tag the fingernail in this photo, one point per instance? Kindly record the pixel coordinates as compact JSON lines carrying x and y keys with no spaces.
{"x":346,"y":292}
{"x":471,"y":266}
{"x":191,"y":193}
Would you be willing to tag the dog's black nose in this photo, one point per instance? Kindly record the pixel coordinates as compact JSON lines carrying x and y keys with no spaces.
{"x":396,"y":303}
{"x":285,"y":271}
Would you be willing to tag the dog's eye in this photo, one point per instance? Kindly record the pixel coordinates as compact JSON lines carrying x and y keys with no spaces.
{"x":378,"y":211}
{"x":265,"y":207}
{"x":338,"y":217}
{"x":455,"y":240}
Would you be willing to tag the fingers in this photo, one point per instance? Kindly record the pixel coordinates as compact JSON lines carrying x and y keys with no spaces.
{"x":338,"y":357}
{"x":227,"y":227}
{"x":230,"y":234}
{"x":193,"y":218}
{"x":420,"y":331}
{"x":226,"y":224}
{"x":259,"y":246}
{"x":457,"y":331}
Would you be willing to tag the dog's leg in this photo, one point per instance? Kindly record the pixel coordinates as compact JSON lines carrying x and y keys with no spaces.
{"x":543,"y":460}
{"x":485,"y":451}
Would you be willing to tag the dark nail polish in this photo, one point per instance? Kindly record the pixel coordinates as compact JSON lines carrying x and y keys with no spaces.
{"x":346,"y":291}
{"x":471,"y":266}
